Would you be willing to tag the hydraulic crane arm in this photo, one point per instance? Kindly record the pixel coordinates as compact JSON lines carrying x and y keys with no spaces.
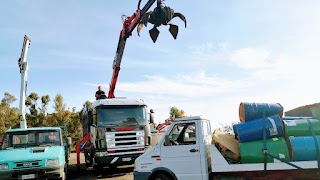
{"x":23,"y":66}
{"x":129,"y":24}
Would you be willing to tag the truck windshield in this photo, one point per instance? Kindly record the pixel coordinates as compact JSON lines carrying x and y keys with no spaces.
{"x":121,"y":115}
{"x":24,"y":139}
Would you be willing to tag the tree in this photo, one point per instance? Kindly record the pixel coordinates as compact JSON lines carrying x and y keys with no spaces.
{"x":31,"y":102}
{"x":44,"y":103}
{"x":59,"y":106}
{"x":8,"y":99}
{"x":62,"y":116}
{"x":9,"y":117}
{"x":37,"y":117}
{"x":175,"y":112}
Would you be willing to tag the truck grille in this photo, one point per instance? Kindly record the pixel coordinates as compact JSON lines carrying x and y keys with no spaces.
{"x":125,"y":142}
{"x":27,"y":164}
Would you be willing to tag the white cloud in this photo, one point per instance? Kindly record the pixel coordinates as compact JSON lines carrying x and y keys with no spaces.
{"x":250,"y":58}
{"x":208,"y":51}
{"x":198,"y":84}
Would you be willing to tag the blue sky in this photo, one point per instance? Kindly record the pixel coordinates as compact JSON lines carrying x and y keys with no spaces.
{"x":230,"y":52}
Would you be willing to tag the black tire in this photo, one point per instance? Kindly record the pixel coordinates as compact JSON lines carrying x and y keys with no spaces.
{"x":64,"y":176}
{"x":112,"y":167}
{"x":161,"y":176}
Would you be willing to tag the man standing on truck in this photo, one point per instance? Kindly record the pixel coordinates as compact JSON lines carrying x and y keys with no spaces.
{"x":99,"y":92}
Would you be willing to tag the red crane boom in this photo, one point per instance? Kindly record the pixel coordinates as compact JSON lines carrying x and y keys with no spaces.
{"x":129,"y":24}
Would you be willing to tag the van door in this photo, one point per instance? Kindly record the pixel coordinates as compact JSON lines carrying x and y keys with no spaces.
{"x":182,"y":154}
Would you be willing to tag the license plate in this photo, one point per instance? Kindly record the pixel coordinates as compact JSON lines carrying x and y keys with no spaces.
{"x":28,"y":176}
{"x":126,"y":159}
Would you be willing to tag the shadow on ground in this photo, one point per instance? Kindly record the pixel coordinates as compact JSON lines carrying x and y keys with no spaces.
{"x":120,"y":172}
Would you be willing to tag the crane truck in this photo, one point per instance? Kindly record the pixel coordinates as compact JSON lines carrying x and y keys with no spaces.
{"x":116,"y":130}
{"x":185,"y":152}
{"x":37,"y":152}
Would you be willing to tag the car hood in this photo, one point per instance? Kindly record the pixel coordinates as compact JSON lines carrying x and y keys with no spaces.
{"x":32,"y":153}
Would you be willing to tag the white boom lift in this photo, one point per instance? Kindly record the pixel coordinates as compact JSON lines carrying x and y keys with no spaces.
{"x":23,"y":66}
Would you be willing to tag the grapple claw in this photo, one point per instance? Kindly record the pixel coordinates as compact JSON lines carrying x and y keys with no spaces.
{"x":174,"y":30}
{"x":182,"y":17}
{"x":154,"y":33}
{"x":161,"y":15}
{"x":139,"y":28}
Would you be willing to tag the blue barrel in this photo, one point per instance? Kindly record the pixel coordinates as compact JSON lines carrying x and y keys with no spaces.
{"x":253,"y":130}
{"x":234,"y":130}
{"x":252,"y":111}
{"x":294,"y":118}
{"x":303,"y":148}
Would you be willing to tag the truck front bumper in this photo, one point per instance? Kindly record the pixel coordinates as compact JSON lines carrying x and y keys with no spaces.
{"x":116,"y":160}
{"x":38,"y":173}
{"x":141,"y":175}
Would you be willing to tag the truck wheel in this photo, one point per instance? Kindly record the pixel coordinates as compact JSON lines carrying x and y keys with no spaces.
{"x":161,"y":176}
{"x":63,"y":176}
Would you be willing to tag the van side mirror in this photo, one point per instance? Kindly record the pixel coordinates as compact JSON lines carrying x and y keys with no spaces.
{"x":151,"y":117}
{"x":166,"y":140}
{"x":90,"y":118}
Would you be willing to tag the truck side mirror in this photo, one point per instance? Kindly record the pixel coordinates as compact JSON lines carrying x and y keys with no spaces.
{"x":69,"y":140}
{"x":166,"y":140}
{"x":151,"y":117}
{"x":90,"y":118}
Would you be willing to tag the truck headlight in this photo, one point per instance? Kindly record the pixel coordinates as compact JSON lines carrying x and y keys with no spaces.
{"x":4,"y":167}
{"x":101,"y":154}
{"x":52,"y":162}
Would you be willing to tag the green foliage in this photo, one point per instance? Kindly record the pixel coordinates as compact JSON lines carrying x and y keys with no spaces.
{"x":8,"y":99}
{"x":175,"y":112}
{"x":44,"y":103}
{"x":38,"y":116}
{"x":59,"y":106}
{"x":9,"y":117}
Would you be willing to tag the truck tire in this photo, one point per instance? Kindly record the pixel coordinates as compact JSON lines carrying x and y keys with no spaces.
{"x":161,"y":176}
{"x":63,"y":177}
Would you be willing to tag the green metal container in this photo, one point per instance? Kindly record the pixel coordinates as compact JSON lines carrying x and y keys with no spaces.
{"x":300,"y":127}
{"x":252,"y":152}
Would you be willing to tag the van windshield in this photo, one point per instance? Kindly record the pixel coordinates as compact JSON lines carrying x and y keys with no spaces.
{"x":24,"y":139}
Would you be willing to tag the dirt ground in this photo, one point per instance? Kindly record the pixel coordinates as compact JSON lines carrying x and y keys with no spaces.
{"x":121,"y":173}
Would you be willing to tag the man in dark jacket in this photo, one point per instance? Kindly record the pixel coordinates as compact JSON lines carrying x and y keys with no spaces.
{"x":99,"y":92}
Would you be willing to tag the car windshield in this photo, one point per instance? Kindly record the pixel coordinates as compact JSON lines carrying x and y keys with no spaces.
{"x":24,"y":139}
{"x":121,"y":115}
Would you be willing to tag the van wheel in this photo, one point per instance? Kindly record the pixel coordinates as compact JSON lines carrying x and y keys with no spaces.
{"x":161,"y":176}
